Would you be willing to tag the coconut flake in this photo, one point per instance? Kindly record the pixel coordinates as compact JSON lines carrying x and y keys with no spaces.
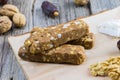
{"x":59,"y":35}
{"x":77,"y":22}
{"x":52,"y":38}
{"x":111,"y":28}
{"x":66,"y":25}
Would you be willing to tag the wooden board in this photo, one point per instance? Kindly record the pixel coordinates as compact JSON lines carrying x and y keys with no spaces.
{"x":105,"y":46}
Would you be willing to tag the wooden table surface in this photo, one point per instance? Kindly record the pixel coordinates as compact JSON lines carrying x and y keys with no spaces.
{"x":9,"y":68}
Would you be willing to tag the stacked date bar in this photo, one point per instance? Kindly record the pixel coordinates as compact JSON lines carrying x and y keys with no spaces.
{"x":52,"y":37}
{"x":70,"y":54}
{"x":52,"y":43}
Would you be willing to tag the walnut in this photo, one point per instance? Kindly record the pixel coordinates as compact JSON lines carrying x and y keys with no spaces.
{"x":99,"y":69}
{"x":81,"y":2}
{"x":19,"y":20}
{"x":5,"y":24}
{"x":110,"y":68}
{"x":114,"y":72}
{"x":9,"y":10}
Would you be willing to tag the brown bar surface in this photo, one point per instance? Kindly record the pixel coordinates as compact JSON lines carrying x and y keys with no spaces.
{"x":87,"y":41}
{"x":70,"y":54}
{"x":51,"y":37}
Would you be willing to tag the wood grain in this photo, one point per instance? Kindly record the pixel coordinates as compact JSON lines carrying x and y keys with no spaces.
{"x":9,"y":68}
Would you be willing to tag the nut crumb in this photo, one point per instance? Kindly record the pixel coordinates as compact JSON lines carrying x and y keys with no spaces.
{"x":52,"y":38}
{"x":51,"y":45}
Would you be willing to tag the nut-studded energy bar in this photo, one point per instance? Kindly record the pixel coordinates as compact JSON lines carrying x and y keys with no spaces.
{"x":87,"y":41}
{"x":52,"y":37}
{"x":70,"y":54}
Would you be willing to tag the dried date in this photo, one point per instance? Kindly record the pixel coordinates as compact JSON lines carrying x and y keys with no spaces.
{"x":118,"y":44}
{"x":49,"y":9}
{"x":2,"y":2}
